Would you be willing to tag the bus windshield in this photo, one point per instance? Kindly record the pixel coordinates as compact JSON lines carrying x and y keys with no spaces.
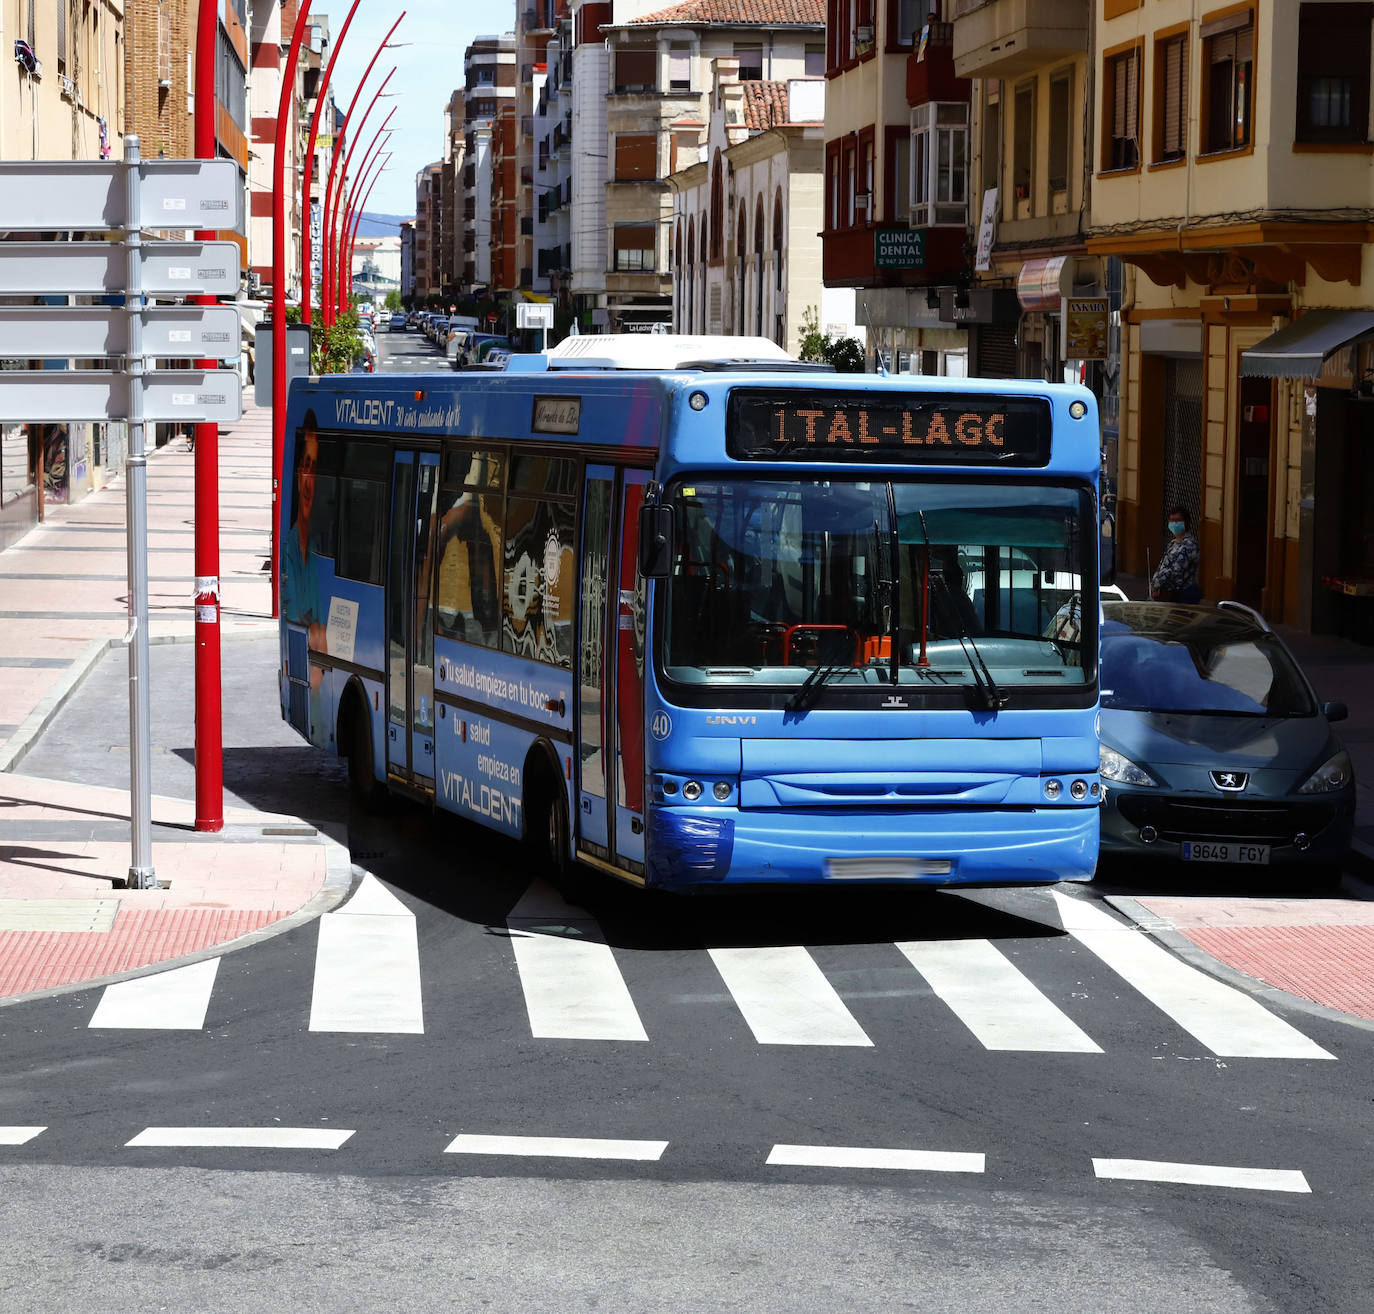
{"x":854,"y":583}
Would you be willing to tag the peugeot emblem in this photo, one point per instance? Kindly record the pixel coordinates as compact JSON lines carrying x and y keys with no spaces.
{"x":1231,"y":782}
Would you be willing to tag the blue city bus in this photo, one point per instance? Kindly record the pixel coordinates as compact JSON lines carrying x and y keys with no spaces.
{"x":690,"y":613}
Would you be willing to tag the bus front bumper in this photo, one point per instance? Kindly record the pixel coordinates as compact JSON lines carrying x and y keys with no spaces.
{"x":725,"y":846}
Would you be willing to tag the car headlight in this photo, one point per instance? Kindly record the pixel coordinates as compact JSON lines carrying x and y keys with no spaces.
{"x":1122,"y":770}
{"x":1334,"y":773}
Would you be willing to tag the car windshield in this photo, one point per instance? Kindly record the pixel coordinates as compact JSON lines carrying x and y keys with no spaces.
{"x":1200,"y":667}
{"x":922,"y":582}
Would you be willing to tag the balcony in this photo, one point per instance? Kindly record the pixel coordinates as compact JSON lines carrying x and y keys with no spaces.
{"x":1006,"y":38}
{"x":934,"y":78}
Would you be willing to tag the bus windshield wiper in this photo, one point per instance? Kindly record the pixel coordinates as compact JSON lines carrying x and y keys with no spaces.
{"x":805,"y":693}
{"x":989,"y":695}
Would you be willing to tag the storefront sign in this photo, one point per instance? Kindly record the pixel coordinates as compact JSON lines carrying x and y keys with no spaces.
{"x":1040,"y":284}
{"x":987,"y":228}
{"x":1084,"y":328}
{"x":899,"y":248}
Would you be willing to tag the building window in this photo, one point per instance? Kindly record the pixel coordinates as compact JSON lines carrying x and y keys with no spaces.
{"x":633,"y":245}
{"x":1061,"y":131}
{"x":680,"y":68}
{"x":832,"y":185}
{"x":898,"y":171}
{"x":1121,"y":110}
{"x":864,"y":208}
{"x":636,"y":68}
{"x":1228,"y":67}
{"x":907,"y":17}
{"x":1023,"y":150}
{"x":992,"y":134}
{"x":939,"y":165}
{"x":1171,"y":98}
{"x":750,"y":56}
{"x":636,"y":156}
{"x":815,"y":61}
{"x":848,"y":172}
{"x":1333,"y":72}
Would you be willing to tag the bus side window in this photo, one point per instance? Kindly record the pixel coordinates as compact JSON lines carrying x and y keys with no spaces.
{"x":469,"y":597}
{"x":324,"y":520}
{"x":537,"y":616}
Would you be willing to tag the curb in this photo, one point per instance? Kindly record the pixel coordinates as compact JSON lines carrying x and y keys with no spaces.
{"x":1181,"y":945}
{"x":338,"y":885}
{"x":32,"y":727}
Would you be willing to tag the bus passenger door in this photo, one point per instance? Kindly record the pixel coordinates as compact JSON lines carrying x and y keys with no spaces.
{"x":397,"y":611}
{"x":421,"y":616}
{"x":593,"y":684}
{"x":631,"y":644}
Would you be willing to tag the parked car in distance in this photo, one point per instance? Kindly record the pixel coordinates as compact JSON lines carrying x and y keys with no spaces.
{"x":398,"y":322}
{"x":1214,"y":746}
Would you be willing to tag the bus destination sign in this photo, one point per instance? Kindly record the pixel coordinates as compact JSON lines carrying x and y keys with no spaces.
{"x":765,"y":424}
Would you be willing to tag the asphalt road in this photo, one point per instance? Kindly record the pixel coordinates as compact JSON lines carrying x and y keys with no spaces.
{"x":966,"y":1161}
{"x":394,"y":1215}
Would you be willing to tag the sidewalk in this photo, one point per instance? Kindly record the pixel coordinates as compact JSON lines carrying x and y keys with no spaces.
{"x":64,"y":845}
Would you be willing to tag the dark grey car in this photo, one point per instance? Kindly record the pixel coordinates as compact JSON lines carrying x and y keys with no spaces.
{"x":1214,"y":747}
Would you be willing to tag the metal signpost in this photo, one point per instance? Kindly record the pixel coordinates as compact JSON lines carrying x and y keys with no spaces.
{"x":92,"y":196}
{"x":535,"y":314}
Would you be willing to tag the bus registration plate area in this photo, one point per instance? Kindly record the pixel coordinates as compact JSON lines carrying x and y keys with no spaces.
{"x":1214,"y":851}
{"x":885,"y":869}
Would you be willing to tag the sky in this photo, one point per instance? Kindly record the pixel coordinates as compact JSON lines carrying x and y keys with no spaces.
{"x":427,"y":72}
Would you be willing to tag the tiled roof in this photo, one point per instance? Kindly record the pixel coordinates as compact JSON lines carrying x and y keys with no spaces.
{"x":765,"y":105}
{"x":774,"y":13}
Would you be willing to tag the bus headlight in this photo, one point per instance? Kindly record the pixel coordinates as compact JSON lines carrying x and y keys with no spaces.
{"x":1078,"y":791}
{"x":721,"y":789}
{"x":1052,"y":789}
{"x":691,"y":791}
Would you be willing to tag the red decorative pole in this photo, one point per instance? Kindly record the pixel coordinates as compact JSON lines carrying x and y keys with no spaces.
{"x":340,"y":204}
{"x":284,"y":134}
{"x":325,"y":285}
{"x":354,"y":217}
{"x":307,"y":254}
{"x":329,"y":294}
{"x":209,"y":745}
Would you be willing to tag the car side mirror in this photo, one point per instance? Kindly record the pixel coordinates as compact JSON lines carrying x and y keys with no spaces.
{"x":1335,"y":711}
{"x":655,"y":541}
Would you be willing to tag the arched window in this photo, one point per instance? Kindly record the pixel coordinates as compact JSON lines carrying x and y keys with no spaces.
{"x":717,"y":209}
{"x":741,"y":246}
{"x":690,"y":273}
{"x":758,"y":267}
{"x":702,"y":238}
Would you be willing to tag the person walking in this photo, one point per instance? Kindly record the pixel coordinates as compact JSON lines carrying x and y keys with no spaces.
{"x":1175,"y":578}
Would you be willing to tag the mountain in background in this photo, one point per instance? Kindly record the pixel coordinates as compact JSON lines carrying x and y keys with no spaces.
{"x":381,"y":225}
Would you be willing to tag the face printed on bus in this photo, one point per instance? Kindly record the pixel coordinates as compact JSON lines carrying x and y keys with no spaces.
{"x":305,"y":476}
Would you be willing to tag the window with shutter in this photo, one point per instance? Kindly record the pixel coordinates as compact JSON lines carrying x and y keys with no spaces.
{"x":633,"y":245}
{"x":636,"y":157}
{"x":1333,"y":72}
{"x":636,"y":68}
{"x":750,"y":56}
{"x":1061,"y":131}
{"x":1171,"y":86}
{"x":1121,"y":148}
{"x":1228,"y":58}
{"x":61,"y":36}
{"x":680,"y":69}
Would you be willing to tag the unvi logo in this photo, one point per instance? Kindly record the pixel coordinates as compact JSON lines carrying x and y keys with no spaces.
{"x":661,"y":726}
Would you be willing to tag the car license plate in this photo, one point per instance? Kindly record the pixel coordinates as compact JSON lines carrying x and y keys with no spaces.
{"x":1210,"y":851}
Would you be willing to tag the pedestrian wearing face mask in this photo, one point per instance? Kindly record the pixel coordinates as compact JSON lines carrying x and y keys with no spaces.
{"x":1175,"y":578}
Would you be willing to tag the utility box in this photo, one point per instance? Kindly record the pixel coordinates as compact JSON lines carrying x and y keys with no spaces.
{"x":297,"y":358}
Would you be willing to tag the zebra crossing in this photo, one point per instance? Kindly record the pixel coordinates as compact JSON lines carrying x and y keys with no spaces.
{"x":367,"y":979}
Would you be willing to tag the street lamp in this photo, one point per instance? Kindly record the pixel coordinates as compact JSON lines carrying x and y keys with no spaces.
{"x":353,"y":215}
{"x":340,"y":204}
{"x":325,"y":308}
{"x":362,"y":206}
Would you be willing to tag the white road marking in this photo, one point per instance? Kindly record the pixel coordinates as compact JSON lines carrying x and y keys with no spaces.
{"x":367,"y":966}
{"x":19,"y":1135}
{"x":849,"y":1156}
{"x":1229,"y":1022}
{"x":993,"y":998}
{"x":174,"y":1000}
{"x":1203,"y":1174}
{"x":572,"y":984}
{"x":249,"y":1138}
{"x":785,"y":997}
{"x":557,"y":1147}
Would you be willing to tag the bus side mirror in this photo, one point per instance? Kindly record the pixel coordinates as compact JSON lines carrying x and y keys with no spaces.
{"x":655,"y":541}
{"x":1107,"y":548}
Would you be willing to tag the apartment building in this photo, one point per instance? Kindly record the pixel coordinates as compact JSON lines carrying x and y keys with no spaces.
{"x":408,"y":260}
{"x":897,"y":203}
{"x":656,"y":91}
{"x":759,"y":178}
{"x":535,"y":26}
{"x":1231,"y":150}
{"x":553,"y":167}
{"x":504,"y":245}
{"x":489,"y":75}
{"x":428,"y":230}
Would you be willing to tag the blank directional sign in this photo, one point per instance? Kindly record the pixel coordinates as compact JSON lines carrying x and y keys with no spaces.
{"x":73,"y":396}
{"x":41,"y":195}
{"x":166,"y":269}
{"x":79,"y":332}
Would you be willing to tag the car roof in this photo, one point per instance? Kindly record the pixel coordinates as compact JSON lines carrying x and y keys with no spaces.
{"x":1172,"y":620}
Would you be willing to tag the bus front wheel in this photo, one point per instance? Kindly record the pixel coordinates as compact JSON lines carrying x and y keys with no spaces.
{"x":550,"y":840}
{"x":363,"y":786}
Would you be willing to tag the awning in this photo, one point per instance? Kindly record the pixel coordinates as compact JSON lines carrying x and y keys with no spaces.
{"x":1297,"y":350}
{"x":1040,"y":284}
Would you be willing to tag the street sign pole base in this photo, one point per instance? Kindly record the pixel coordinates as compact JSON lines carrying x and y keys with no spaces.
{"x":141,"y":878}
